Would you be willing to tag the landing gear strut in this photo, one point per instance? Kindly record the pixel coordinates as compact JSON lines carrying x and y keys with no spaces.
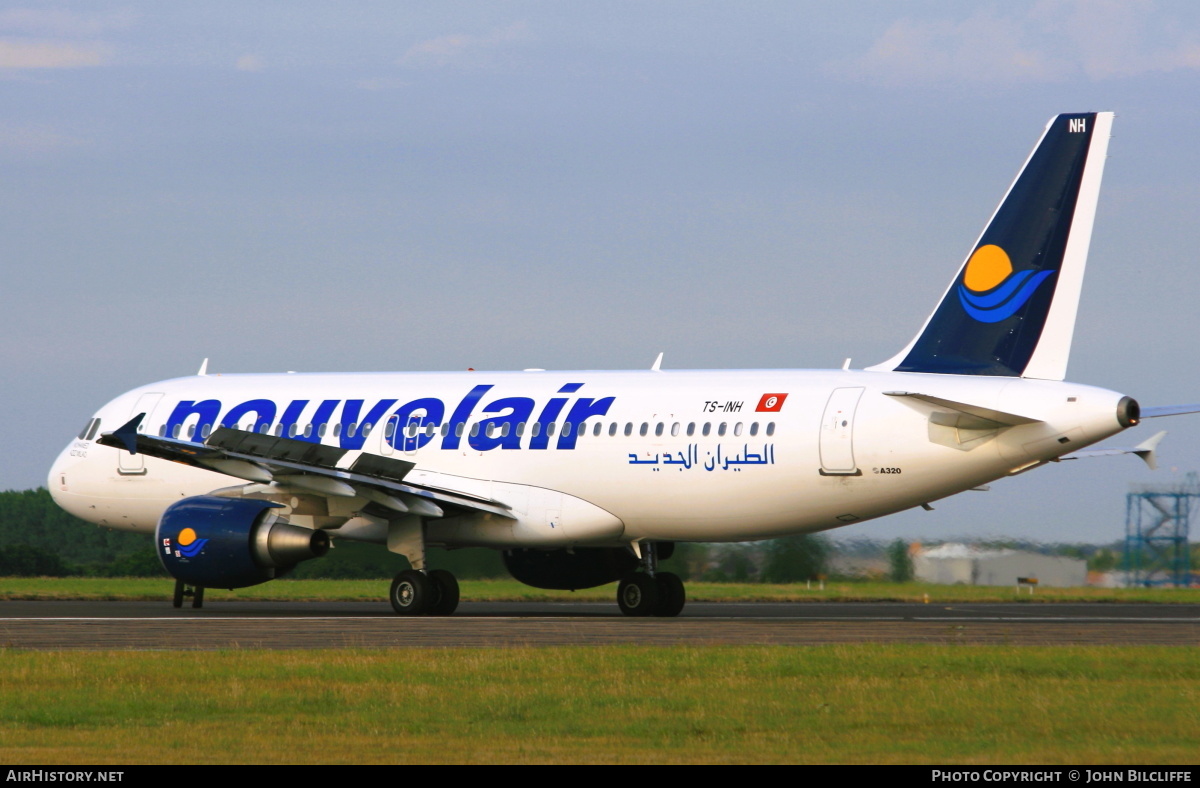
{"x":182,"y":590}
{"x":651,"y":593}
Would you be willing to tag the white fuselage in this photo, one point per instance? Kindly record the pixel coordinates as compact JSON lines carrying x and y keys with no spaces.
{"x":661,"y":455}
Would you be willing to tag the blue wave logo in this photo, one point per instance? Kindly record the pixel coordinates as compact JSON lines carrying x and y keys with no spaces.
{"x":189,"y":546}
{"x":990,"y":291}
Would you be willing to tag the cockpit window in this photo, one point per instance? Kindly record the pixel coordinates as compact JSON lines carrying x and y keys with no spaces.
{"x":83,"y":432}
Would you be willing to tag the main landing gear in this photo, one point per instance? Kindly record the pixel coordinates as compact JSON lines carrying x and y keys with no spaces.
{"x":415,"y":593}
{"x":652,"y":593}
{"x":183,"y":590}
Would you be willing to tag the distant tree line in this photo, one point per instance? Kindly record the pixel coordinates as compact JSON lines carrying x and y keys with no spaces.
{"x":792,"y":559}
{"x":38,"y":538}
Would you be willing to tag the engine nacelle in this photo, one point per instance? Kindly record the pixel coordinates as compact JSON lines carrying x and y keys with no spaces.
{"x":218,"y":542}
{"x":567,"y":570}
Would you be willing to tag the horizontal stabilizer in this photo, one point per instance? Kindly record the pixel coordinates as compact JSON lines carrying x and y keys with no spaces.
{"x":1145,"y":450}
{"x":999,"y":417}
{"x":1168,"y":410}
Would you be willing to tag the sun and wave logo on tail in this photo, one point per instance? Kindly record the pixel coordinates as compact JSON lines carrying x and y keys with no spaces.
{"x":990,"y":291}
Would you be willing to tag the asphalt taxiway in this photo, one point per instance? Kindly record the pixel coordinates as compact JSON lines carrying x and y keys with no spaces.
{"x":39,"y":625}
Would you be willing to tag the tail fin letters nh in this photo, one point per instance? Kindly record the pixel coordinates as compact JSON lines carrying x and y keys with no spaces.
{"x":1011,"y":309}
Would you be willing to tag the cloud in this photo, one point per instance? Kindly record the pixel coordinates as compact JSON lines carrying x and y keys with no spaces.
{"x":464,"y":50}
{"x":49,"y":38}
{"x":1113,"y":38}
{"x":982,"y":48}
{"x":33,"y":139}
{"x":51,"y":54}
{"x":1050,"y":41}
{"x":382,"y":83}
{"x":62,"y":23}
{"x":249,"y":63}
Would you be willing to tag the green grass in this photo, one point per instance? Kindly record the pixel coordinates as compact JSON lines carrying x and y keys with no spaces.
{"x":820,"y":704}
{"x":511,"y":590}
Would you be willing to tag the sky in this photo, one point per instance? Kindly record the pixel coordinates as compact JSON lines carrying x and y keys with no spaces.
{"x":412,"y":186}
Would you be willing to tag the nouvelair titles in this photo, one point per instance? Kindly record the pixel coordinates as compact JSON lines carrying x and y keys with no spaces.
{"x":510,"y":422}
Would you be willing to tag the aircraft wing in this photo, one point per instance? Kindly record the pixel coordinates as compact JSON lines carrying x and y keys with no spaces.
{"x":1145,"y":450}
{"x":310,"y":466}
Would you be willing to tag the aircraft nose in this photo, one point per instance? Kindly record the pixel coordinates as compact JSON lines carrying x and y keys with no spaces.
{"x":58,"y":482}
{"x":58,"y":470}
{"x":72,"y":481}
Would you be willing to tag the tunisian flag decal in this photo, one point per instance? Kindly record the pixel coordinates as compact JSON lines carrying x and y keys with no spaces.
{"x":770,"y":403}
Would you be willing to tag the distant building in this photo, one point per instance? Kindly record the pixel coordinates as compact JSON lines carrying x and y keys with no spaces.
{"x":858,"y":566}
{"x":973,"y":566}
{"x":1113,"y":579}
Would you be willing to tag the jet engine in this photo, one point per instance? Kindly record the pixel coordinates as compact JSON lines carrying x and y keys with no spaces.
{"x":568,"y":570}
{"x":216,"y":542}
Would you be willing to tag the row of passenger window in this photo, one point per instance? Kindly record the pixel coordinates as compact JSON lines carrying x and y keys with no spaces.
{"x":535,"y":428}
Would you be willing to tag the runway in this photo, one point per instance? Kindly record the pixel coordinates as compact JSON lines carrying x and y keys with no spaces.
{"x":303,"y":625}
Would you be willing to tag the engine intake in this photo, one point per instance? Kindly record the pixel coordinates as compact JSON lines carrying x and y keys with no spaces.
{"x":220,"y":542}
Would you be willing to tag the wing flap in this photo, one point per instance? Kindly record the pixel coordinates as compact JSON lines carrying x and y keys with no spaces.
{"x":382,"y":467}
{"x":271,"y":448}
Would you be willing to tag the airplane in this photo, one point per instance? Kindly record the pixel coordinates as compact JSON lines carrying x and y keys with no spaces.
{"x":584,"y":478}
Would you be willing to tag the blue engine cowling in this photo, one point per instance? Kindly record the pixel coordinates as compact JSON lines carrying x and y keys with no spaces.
{"x":218,"y":542}
{"x":568,"y":570}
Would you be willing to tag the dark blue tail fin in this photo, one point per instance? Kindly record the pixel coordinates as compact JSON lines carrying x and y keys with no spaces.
{"x":1011,"y":308}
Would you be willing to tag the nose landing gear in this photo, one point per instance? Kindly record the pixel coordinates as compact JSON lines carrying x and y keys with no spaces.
{"x":183,"y":590}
